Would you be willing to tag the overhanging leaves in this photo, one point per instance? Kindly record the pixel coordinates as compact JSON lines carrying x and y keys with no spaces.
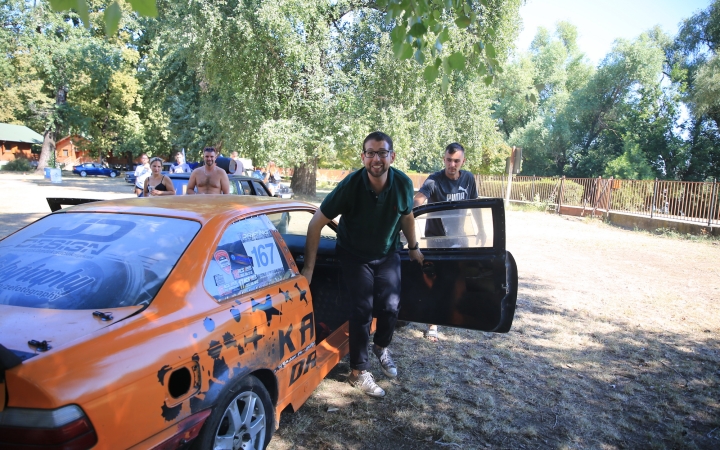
{"x":457,"y":61}
{"x":112,"y":18}
{"x":144,"y":7}
{"x":418,"y":30}
{"x":430,"y":73}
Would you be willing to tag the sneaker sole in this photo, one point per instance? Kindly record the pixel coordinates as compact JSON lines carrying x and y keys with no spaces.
{"x":388,"y":374}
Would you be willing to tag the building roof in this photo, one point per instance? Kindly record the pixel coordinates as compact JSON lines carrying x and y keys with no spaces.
{"x":19,"y":133}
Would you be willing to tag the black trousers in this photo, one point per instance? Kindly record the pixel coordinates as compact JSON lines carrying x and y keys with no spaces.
{"x":374,"y":290}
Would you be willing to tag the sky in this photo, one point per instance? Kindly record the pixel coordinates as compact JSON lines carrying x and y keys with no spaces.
{"x":599,"y":23}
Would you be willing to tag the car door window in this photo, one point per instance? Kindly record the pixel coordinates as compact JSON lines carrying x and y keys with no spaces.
{"x":259,"y":189}
{"x":455,"y":228}
{"x":247,"y":258}
{"x":297,"y":224}
{"x":245,"y":187}
{"x":233,"y":187}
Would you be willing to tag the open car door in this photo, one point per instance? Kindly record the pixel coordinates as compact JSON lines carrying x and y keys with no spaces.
{"x":468,"y":279}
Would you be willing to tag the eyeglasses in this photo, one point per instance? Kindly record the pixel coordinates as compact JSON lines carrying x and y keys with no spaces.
{"x":382,"y":154}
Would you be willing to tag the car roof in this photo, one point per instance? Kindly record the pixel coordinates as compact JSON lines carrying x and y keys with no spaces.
{"x":185,"y":175}
{"x":200,"y":208}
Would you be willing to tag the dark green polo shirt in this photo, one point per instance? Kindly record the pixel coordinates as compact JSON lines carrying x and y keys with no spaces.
{"x":370,"y":224}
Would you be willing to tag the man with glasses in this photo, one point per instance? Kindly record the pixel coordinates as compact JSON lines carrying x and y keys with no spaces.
{"x":375,"y":203}
{"x":208,"y":178}
{"x":449,"y":184}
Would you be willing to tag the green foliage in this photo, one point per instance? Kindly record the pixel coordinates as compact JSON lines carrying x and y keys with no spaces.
{"x":112,"y":14}
{"x":18,"y":165}
{"x":573,"y":120}
{"x":417,"y":29}
{"x":631,"y":165}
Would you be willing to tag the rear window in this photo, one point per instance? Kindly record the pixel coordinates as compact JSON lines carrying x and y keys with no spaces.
{"x":91,"y":260}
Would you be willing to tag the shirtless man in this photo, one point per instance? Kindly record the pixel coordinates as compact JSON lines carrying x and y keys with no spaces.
{"x":209,"y":179}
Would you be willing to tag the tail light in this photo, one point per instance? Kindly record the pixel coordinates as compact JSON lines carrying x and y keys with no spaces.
{"x":66,"y":428}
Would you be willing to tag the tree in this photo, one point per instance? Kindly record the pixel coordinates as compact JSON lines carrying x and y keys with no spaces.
{"x":693,"y":64}
{"x":418,"y":29}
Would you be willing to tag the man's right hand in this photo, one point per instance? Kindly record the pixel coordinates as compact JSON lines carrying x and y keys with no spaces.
{"x":312,"y":241}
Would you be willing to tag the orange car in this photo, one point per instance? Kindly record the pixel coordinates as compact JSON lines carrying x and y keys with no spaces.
{"x":151,"y":323}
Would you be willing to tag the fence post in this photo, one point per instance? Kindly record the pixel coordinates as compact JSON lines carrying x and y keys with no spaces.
{"x":713,"y":196}
{"x":652,"y":206}
{"x":533,"y":189}
{"x":609,"y":201}
{"x":560,"y":194}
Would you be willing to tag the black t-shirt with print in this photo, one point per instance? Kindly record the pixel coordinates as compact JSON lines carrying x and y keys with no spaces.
{"x":439,"y":188}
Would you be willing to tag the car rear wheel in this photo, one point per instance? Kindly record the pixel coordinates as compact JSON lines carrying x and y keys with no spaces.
{"x":83,"y":173}
{"x":113,"y":174}
{"x":242,"y":419}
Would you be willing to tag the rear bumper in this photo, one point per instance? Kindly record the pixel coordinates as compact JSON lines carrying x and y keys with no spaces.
{"x":178,"y":435}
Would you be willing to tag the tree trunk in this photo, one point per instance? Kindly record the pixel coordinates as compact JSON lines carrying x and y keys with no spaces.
{"x":304,"y":180}
{"x":48,"y":146}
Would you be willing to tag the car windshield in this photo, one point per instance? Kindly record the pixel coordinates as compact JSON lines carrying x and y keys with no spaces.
{"x":91,"y":260}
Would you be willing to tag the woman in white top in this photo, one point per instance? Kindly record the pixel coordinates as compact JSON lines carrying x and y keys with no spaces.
{"x":157,"y":184}
{"x":141,"y":173}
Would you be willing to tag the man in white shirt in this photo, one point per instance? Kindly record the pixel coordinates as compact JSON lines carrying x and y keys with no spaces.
{"x":239,"y":169}
{"x":180,"y":165}
{"x":141,"y":173}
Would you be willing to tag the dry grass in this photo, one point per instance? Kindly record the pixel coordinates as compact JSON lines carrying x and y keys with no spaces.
{"x":614,"y":345}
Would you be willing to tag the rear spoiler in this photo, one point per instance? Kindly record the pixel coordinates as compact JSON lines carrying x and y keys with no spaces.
{"x":56,"y":203}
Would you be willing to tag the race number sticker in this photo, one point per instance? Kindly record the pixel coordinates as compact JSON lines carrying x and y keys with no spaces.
{"x":264,"y":253}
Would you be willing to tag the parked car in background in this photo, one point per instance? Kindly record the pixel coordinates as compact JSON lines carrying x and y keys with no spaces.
{"x":154,"y":323}
{"x":94,"y":169}
{"x":130,"y":176}
{"x":239,"y":184}
{"x":283,"y":191}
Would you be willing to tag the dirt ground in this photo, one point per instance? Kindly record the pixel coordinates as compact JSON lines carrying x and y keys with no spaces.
{"x":615,"y":344}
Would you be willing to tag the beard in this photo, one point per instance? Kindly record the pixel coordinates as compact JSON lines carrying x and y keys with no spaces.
{"x":377,"y":171}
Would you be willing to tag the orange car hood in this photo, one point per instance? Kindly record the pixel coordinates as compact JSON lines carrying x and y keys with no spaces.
{"x":20,"y":325}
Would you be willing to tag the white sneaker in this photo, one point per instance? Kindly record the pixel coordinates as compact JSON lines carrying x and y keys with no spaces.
{"x":366,"y":383}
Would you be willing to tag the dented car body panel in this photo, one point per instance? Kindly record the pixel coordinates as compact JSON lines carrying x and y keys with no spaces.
{"x":233,"y":304}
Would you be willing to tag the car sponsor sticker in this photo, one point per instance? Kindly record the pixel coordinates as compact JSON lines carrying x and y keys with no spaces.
{"x":223,"y":259}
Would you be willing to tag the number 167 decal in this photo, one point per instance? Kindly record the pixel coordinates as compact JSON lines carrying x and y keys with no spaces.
{"x":264,"y":254}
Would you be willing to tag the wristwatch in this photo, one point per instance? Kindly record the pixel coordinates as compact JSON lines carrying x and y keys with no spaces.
{"x":417,"y":246}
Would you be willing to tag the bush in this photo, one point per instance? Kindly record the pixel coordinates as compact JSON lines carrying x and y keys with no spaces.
{"x":19,"y":165}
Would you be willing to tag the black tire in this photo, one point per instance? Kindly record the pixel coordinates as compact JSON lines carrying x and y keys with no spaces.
{"x":83,"y":173}
{"x":234,"y":405}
